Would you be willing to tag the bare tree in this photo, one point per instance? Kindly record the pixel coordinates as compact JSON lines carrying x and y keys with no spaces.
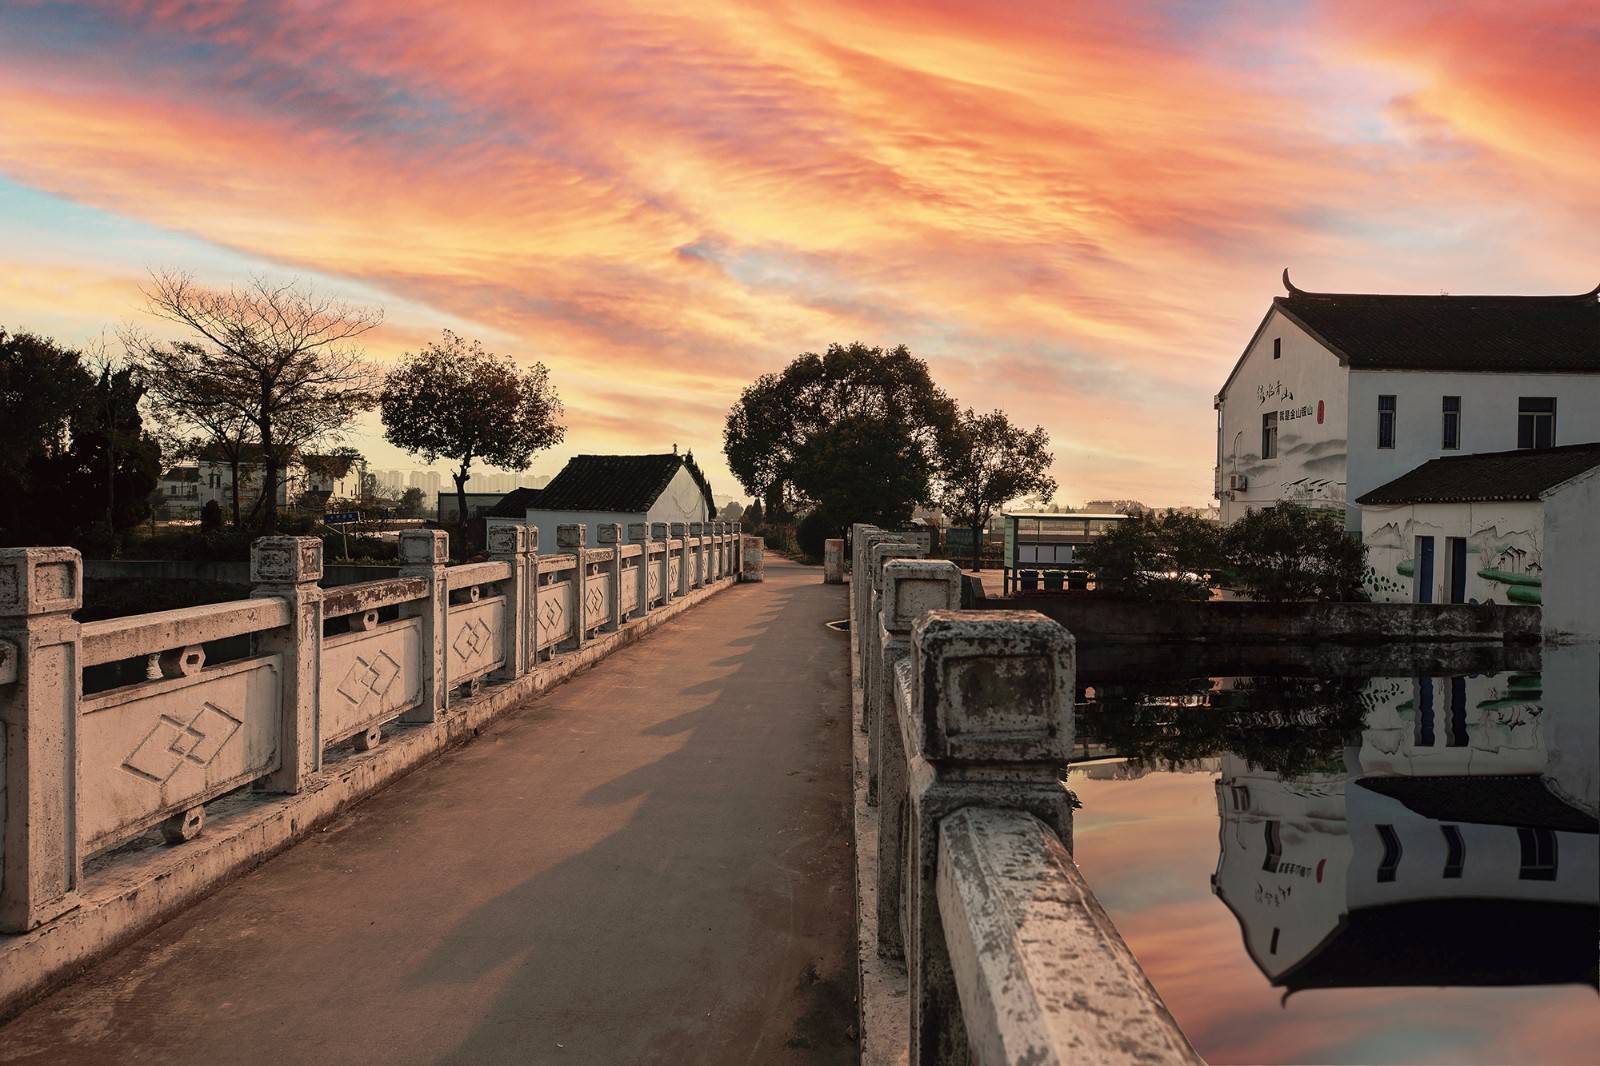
{"x":278,"y":357}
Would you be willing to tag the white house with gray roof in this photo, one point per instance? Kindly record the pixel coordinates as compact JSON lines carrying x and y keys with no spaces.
{"x":1338,"y":393}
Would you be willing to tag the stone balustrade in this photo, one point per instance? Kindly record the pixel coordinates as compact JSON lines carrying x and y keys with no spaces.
{"x":159,"y":730}
{"x":1008,"y":956}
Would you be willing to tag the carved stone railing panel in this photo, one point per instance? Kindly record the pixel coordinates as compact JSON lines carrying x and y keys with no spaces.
{"x":675,"y":572}
{"x":630,"y":590}
{"x":555,"y":613}
{"x":475,"y":639}
{"x":369,"y":678}
{"x":152,"y":750}
{"x":653,"y":579}
{"x":596,"y":604}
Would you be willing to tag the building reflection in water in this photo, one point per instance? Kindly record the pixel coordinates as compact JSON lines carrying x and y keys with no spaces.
{"x":1395,"y":831}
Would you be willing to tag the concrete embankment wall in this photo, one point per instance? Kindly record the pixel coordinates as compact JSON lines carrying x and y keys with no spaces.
{"x":1091,"y":619}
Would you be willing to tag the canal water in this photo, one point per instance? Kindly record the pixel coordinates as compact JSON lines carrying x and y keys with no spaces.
{"x":1359,"y":856}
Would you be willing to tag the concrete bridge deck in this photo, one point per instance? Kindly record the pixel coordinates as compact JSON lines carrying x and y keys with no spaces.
{"x":650,"y":863}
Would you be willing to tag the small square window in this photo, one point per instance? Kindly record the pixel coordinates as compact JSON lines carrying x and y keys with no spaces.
{"x":1536,"y":422}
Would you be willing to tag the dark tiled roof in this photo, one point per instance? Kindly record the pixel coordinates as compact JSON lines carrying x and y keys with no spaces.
{"x":630,"y":483}
{"x":515,"y":503}
{"x":1455,"y":942}
{"x":1484,"y":799}
{"x":1506,"y":333}
{"x":1516,"y":475}
{"x":182,"y":473}
{"x":215,"y":453}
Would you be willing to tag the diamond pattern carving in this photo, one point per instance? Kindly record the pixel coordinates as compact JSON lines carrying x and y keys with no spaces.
{"x":174,"y":742}
{"x":472,"y":639}
{"x":367,"y":680}
{"x":594,"y":603}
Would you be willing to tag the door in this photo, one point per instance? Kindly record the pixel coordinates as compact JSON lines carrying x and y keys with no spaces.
{"x":1424,"y":591}
{"x":1458,"y":569}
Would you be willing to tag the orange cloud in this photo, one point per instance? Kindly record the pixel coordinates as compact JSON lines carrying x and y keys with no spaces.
{"x":1075,"y":212}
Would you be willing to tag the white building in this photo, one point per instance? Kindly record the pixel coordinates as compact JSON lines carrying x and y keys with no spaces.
{"x":1501,"y":527}
{"x":1337,"y":394}
{"x":622,"y":489}
{"x":1457,"y":846}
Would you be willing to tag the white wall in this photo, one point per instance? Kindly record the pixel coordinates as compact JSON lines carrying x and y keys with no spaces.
{"x":1502,"y":537}
{"x":1488,"y":416}
{"x":1310,"y":466}
{"x":1572,"y":540}
{"x":681,"y":502}
{"x":547,"y":521}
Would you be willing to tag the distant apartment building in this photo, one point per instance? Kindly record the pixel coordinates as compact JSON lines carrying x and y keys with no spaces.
{"x":1339,"y":393}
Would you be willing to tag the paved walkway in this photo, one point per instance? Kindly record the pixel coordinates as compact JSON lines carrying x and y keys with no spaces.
{"x":649,"y":864}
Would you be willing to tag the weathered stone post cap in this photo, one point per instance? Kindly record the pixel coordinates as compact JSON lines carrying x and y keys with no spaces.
{"x":424,"y":547}
{"x":993,"y":686}
{"x":40,"y":580}
{"x":696,"y":529}
{"x":883,"y":551}
{"x":510,"y":538}
{"x":608,"y":533}
{"x":572,"y":535}
{"x":913,"y":587}
{"x":639,"y":531}
{"x":680,"y":529}
{"x":736,"y":527}
{"x":659,"y":530}
{"x":286,"y":561}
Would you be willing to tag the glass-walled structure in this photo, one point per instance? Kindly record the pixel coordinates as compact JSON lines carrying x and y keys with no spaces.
{"x":1044,"y":547}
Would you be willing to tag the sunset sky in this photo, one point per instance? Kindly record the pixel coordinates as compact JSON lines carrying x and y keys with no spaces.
{"x":1075,"y":212}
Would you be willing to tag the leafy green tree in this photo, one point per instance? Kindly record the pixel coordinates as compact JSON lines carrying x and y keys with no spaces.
{"x":411,"y":503}
{"x":78,"y":466}
{"x":1288,"y":552}
{"x":456,"y":401}
{"x":1166,"y":557}
{"x":853,"y":434}
{"x":986,"y":462}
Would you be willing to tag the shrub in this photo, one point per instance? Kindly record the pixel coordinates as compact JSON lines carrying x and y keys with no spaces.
{"x":1161,"y":558}
{"x":812,"y":533}
{"x":1289,"y":552}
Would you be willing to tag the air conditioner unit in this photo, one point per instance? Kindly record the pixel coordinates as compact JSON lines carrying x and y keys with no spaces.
{"x":1238,"y":482}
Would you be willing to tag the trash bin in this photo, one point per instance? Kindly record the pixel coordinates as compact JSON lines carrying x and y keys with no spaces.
{"x":1078,"y":579}
{"x":1029,"y":580}
{"x":1054,"y":580}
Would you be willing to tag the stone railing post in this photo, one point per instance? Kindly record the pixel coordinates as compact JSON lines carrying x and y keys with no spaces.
{"x":989,"y":725}
{"x":508,"y":543}
{"x":40,"y":680}
{"x":911,"y":588}
{"x":425,"y":553}
{"x":833,"y":561}
{"x":718,"y":541}
{"x":639,"y":533}
{"x":882,"y":551}
{"x":861,"y":542}
{"x":574,"y":538}
{"x":697,"y":538}
{"x":663,"y":532}
{"x":610,"y":536}
{"x":680,"y":533}
{"x":289,"y":568}
{"x":752,"y":558}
